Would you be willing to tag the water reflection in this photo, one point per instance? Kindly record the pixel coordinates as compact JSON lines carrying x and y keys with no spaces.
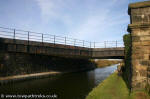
{"x":66,"y":86}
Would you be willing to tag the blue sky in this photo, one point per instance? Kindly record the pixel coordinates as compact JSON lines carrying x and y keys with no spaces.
{"x":92,"y":20}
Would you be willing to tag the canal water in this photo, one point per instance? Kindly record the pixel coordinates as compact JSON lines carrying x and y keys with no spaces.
{"x":64,"y":86}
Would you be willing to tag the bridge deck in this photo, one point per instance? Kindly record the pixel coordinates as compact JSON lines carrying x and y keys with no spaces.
{"x":108,"y":53}
{"x":32,"y":47}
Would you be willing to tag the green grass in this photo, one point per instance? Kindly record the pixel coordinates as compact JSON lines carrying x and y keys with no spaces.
{"x":114,"y":87}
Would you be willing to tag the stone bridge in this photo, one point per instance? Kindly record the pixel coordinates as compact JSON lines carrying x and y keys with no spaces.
{"x":21,"y":41}
{"x":33,"y":47}
{"x":18,"y":41}
{"x":24,"y":52}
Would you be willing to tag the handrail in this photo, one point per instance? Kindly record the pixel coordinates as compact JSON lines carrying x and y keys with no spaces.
{"x":48,"y":38}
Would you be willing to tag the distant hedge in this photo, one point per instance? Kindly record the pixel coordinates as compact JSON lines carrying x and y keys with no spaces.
{"x":127,"y":68}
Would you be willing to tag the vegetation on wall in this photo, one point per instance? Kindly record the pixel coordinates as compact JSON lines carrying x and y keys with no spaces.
{"x":127,"y":68}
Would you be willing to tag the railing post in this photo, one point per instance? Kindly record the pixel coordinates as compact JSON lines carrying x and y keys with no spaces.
{"x":65,"y":41}
{"x":28,"y":43}
{"x":14,"y":34}
{"x":90,"y":44}
{"x":105,"y":43}
{"x":83,"y":43}
{"x":14,"y":39}
{"x":54,"y":39}
{"x":28,"y":36}
{"x":116,"y":43}
{"x":74,"y":42}
{"x":94,"y":44}
{"x":42,"y":37}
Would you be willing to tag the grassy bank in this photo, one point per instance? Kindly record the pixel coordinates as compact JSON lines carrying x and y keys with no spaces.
{"x":104,"y":63}
{"x":114,"y":87}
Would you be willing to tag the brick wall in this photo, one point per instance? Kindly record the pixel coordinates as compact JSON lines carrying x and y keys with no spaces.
{"x":22,"y":63}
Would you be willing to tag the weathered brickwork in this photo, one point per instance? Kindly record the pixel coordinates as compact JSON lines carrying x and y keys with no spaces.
{"x":23,"y":57}
{"x":22,"y":63}
{"x":23,"y":46}
{"x":140,"y":34}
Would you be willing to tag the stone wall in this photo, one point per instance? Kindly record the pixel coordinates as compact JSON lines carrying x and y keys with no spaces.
{"x":140,"y":35}
{"x":22,"y":57}
{"x":33,"y":47}
{"x":108,"y":53}
{"x":25,"y":57}
{"x":22,"y":63}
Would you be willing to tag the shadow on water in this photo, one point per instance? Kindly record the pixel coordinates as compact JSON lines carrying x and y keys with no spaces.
{"x":66,"y":86}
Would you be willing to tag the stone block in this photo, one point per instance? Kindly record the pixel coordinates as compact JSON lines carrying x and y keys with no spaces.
{"x":11,"y":47}
{"x":32,"y":49}
{"x":21,"y":48}
{"x":140,"y":15}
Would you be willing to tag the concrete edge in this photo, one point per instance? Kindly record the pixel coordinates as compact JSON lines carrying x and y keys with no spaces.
{"x":9,"y":79}
{"x":108,"y":49}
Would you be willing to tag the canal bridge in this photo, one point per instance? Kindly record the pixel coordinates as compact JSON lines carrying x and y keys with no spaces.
{"x":137,"y":66}
{"x":20,"y":41}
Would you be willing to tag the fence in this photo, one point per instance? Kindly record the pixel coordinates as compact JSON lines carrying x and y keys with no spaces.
{"x":47,"y":38}
{"x":134,"y":1}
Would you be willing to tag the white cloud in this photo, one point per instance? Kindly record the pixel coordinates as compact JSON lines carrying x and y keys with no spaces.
{"x":50,"y":9}
{"x":93,"y":23}
{"x":53,"y":10}
{"x":46,"y":7}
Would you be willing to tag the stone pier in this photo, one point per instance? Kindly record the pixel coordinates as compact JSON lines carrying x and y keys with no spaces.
{"x":139,"y":28}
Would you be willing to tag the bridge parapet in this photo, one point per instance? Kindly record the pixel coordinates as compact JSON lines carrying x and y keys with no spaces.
{"x":22,"y":46}
{"x":108,"y":53}
{"x":14,"y":40}
{"x":48,"y":38}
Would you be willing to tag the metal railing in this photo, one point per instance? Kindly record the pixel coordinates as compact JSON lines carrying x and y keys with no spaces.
{"x":134,"y":1}
{"x":47,"y":38}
